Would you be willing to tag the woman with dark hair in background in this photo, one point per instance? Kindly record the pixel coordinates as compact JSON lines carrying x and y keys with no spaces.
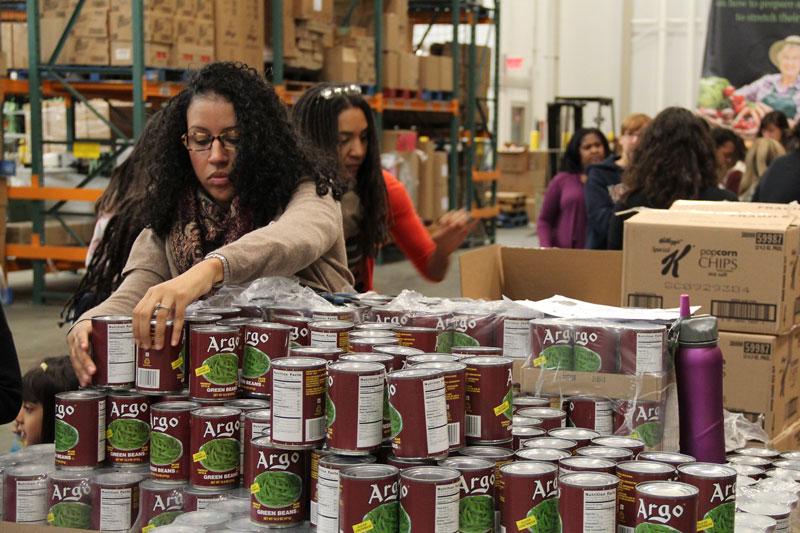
{"x":562,"y":219}
{"x":775,"y":126}
{"x":339,"y":121}
{"x":780,"y":184}
{"x":675,"y":160}
{"x":234,"y":195}
{"x":730,"y":152}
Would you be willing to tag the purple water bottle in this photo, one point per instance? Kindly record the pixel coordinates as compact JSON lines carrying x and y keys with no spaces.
{"x":698,"y":368}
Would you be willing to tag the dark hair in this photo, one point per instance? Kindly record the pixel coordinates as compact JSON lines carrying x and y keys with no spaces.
{"x":41,"y":384}
{"x":271,"y":160}
{"x":777,"y":119}
{"x":316,"y":116}
{"x":571,"y":161}
{"x":674,"y":159}
{"x":724,"y":135}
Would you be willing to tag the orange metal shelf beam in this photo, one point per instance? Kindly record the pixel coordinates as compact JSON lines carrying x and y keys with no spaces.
{"x":119,"y":90}
{"x":485,"y":175}
{"x":381,"y":104}
{"x":485,"y":212}
{"x":72,"y":254}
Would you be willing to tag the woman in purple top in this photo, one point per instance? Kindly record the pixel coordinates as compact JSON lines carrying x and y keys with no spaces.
{"x":562,"y":220}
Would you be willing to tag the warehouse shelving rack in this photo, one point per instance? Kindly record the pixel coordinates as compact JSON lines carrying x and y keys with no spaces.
{"x":45,"y":78}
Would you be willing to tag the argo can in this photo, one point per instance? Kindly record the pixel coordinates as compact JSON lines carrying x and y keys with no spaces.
{"x":385,"y":359}
{"x":298,"y":401}
{"x":631,"y":474}
{"x":668,"y":505}
{"x":278,"y":493}
{"x":368,"y":344}
{"x":551,"y":418}
{"x":521,"y":434}
{"x":80,"y":431}
{"x":463,"y":352}
{"x":190,"y":321}
{"x":70,"y":500}
{"x":418,"y":413}
{"x":299,"y":334}
{"x":521,"y":402}
{"x":246,"y":405}
{"x":331,"y":334}
{"x":583,"y":437}
{"x":325,"y":492}
{"x":113,"y":351}
{"x":614,"y":454}
{"x":354,"y":407}
{"x":590,"y":412}
{"x":159,"y":503}
{"x":641,"y":420}
{"x":397,"y":317}
{"x":160,"y":371}
{"x":214,"y":447}
{"x":588,"y":501}
{"x":169,"y":440}
{"x":528,"y":495}
{"x":551,"y":344}
{"x":224,"y":312}
{"x":195,"y":499}
{"x":477,"y":495}
{"x":256,"y":424}
{"x":670,"y":458}
{"x":497,"y":455}
{"x":629,"y":443}
{"x":369,"y":497}
{"x":454,"y":381}
{"x":214,"y":363}
{"x":642,"y":348}
{"x":413,"y":360}
{"x":421,"y":338}
{"x":115,"y":501}
{"x":264,"y":342}
{"x":594,"y":347}
{"x":548,"y":455}
{"x":716,"y":501}
{"x":128,"y":428}
{"x":429,"y":499}
{"x":400,"y":354}
{"x":551,"y":442}
{"x":25,"y":496}
{"x":402,"y":463}
{"x":577,"y":463}
{"x":488,"y":399}
{"x":330,"y":355}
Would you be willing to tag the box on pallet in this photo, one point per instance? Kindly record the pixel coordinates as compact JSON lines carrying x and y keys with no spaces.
{"x":429,"y":73}
{"x":155,"y":55}
{"x":409,"y":72}
{"x":340,"y":65}
{"x":320,"y":10}
{"x":90,"y":51}
{"x":158,"y":26}
{"x":91,"y":23}
{"x":523,"y":171}
{"x":391,"y":70}
{"x":712,"y":256}
{"x":190,"y":56}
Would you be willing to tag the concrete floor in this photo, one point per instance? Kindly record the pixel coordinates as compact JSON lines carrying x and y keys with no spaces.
{"x":37,"y":335}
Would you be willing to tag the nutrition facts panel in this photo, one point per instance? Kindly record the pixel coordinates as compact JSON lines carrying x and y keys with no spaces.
{"x":649,"y":352}
{"x":115,"y":509}
{"x":31,"y":501}
{"x":436,"y":415}
{"x":370,"y":411}
{"x":287,"y":405}
{"x":447,"y":497}
{"x":516,"y":337}
{"x":599,"y":508}
{"x":120,"y":353}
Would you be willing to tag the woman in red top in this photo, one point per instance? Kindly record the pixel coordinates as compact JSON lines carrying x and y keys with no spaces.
{"x":338,"y":120}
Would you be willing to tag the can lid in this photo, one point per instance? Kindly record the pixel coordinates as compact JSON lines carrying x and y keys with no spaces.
{"x":416,"y":329}
{"x":430,"y":474}
{"x":761,"y":452}
{"x":332,"y":324}
{"x":118,"y":478}
{"x":258,"y":414}
{"x":533,"y":401}
{"x":293,"y":318}
{"x":176,"y":405}
{"x":376,"y":326}
{"x":613,"y":441}
{"x":605,"y":451}
{"x":219,"y":310}
{"x":790,"y":455}
{"x":373,"y":340}
{"x":783,"y":473}
{"x":698,"y":330}
{"x":550,"y":442}
{"x":528,"y":468}
{"x":755,"y":521}
{"x":299,"y":351}
{"x":372,"y":334}
{"x":367,"y":357}
{"x":666,"y":457}
{"x":477,"y":349}
{"x":216,"y":411}
{"x":72,"y":475}
{"x":491,"y":452}
{"x":588,"y":479}
{"x":641,"y":326}
{"x":418,"y":359}
{"x":747,"y":470}
{"x":778,"y":511}
{"x":77,"y":395}
{"x":215,"y":328}
{"x":572,"y":433}
{"x":788,"y":464}
{"x":542,"y":412}
{"x":414,"y":373}
{"x":445,"y":366}
{"x":298,"y":362}
{"x":667,"y":488}
{"x":206,"y":493}
{"x":398,"y":350}
{"x":356,"y":367}
{"x":757,"y":461}
{"x":649,"y":467}
{"x":525,"y":421}
{"x":31,"y":469}
{"x":113,"y":318}
{"x":369,"y":471}
{"x":466,"y":463}
{"x":155,"y":484}
{"x":542,"y":454}
{"x":343,"y":461}
{"x":488,"y":361}
{"x":262,"y":325}
{"x":527,"y":431}
{"x":202,"y":518}
{"x":709,"y":470}
{"x":248,"y":404}
{"x":587,"y":462}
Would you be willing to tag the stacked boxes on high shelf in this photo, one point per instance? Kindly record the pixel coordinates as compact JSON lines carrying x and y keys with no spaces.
{"x":307,"y":31}
{"x":239,"y":29}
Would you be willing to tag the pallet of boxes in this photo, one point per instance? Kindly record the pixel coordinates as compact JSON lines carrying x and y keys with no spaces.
{"x":308,"y":30}
{"x":739,"y":261}
{"x":525,"y":173}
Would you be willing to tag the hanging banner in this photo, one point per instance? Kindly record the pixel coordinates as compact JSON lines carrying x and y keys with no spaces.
{"x":752,"y":63}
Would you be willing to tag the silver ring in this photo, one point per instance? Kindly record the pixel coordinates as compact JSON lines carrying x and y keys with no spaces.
{"x":159,"y":307}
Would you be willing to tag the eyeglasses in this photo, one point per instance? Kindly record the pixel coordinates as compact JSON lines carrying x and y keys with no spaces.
{"x":198,"y":141}
{"x":342,"y":90}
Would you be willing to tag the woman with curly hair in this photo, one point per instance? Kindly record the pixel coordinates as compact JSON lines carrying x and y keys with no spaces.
{"x":675,"y":160}
{"x":233,"y":196}
{"x":339,"y":121}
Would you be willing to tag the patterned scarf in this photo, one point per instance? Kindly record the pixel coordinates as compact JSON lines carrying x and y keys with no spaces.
{"x":203,"y":226}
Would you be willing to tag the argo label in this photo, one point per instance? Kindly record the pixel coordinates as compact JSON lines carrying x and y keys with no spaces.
{"x":263,"y":342}
{"x":214,"y":447}
{"x":80,"y":431}
{"x":587,"y":502}
{"x":489,"y":408}
{"x":278,"y":488}
{"x":368,"y":500}
{"x":418,"y":412}
{"x":717,"y":497}
{"x":128,"y":431}
{"x":214,"y":363}
{"x":476,"y":510}
{"x":70,"y":502}
{"x":354,"y":406}
{"x":664,"y":507}
{"x":160,"y":503}
{"x":528,"y":495}
{"x":429,"y":500}
{"x":641,"y":420}
{"x":169,"y":440}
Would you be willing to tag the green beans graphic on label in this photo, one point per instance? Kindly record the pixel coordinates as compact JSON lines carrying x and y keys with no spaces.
{"x":224,"y":369}
{"x":255,"y":364}
{"x":164,"y":449}
{"x":384,"y":518}
{"x":278,"y":489}
{"x":66,"y":436}
{"x":70,"y":514}
{"x":222,"y":455}
{"x":547,"y":518}
{"x":476,"y":514}
{"x":128,"y":434}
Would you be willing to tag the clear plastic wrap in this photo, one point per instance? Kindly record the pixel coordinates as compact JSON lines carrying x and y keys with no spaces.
{"x":739,"y":431}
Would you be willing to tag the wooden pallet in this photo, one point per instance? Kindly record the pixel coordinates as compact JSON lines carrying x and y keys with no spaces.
{"x":516,"y":220}
{"x":510,"y":202}
{"x":401,"y":93}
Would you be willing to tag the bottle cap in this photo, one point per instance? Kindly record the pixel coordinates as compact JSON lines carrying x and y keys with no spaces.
{"x":698,"y":330}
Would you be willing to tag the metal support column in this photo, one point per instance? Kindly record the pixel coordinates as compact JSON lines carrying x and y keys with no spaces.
{"x":137,"y":12}
{"x":379,"y":63}
{"x":496,"y":114}
{"x":37,"y":164}
{"x":455,"y":12}
{"x":469,"y":163}
{"x":277,"y":41}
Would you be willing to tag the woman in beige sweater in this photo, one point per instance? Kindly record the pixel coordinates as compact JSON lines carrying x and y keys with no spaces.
{"x":234,"y":196}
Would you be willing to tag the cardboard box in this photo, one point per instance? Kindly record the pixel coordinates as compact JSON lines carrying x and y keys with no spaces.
{"x":391,"y":70}
{"x":532,"y":207}
{"x":205,"y":32}
{"x":787,"y":440}
{"x":398,"y":7}
{"x":391,"y":32}
{"x":735,"y":207}
{"x":155,"y":54}
{"x":50,"y":29}
{"x":761,"y":376}
{"x":158,"y":26}
{"x":445,"y":74}
{"x":426,"y":185}
{"x":189,"y":8}
{"x":90,"y":51}
{"x":321,"y":10}
{"x":91,"y":23}
{"x":513,"y":161}
{"x":523,"y":171}
{"x":19,"y":46}
{"x":205,"y":10}
{"x":341,"y":65}
{"x":429,"y":73}
{"x":409,"y":71}
{"x":397,"y":140}
{"x":740,"y":267}
{"x":185,"y":31}
{"x":441,"y":189}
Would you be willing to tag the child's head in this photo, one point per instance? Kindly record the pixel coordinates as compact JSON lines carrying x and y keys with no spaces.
{"x":36,"y":419}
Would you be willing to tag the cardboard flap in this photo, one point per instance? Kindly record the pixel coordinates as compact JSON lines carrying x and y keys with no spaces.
{"x":482,"y":273}
{"x":727,"y":220}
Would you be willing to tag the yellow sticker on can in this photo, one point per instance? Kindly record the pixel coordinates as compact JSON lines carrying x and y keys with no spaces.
{"x":109,"y":433}
{"x":525,"y":523}
{"x":254,"y":488}
{"x":364,"y":526}
{"x":703,"y":525}
{"x":51,"y":517}
{"x":177,"y":363}
{"x":199,"y":456}
{"x":147,"y":529}
{"x":540,"y":361}
{"x":502,"y":408}
{"x":202,"y":370}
